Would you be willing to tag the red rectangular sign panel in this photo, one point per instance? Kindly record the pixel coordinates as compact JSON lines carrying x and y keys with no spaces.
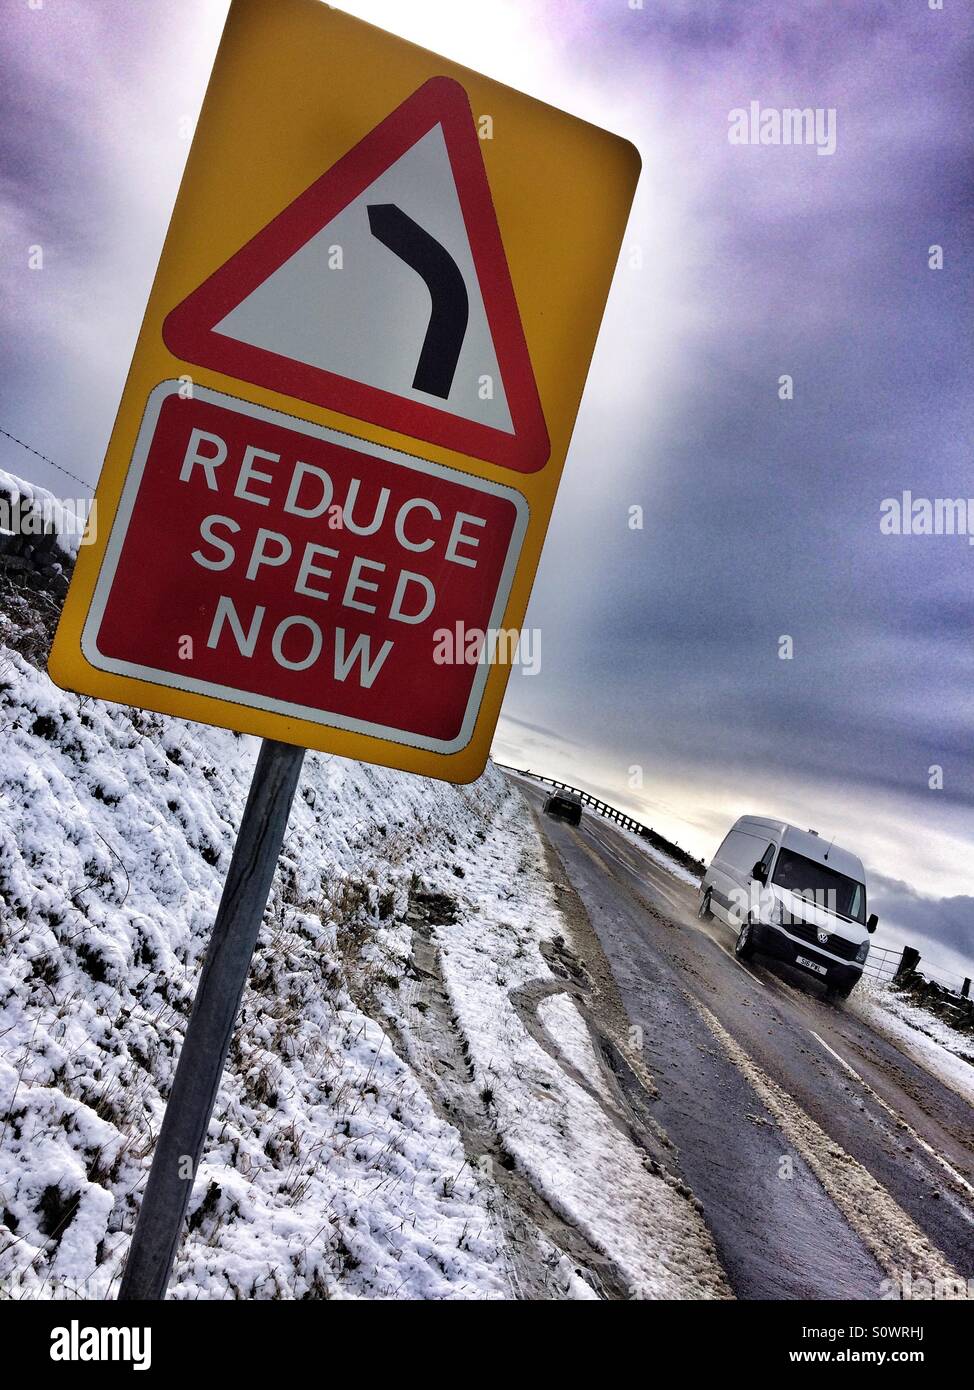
{"x":286,"y":566}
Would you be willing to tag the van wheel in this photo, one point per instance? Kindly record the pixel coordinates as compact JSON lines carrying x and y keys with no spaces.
{"x":705,"y":910}
{"x":744,"y":945}
{"x":834,"y":995}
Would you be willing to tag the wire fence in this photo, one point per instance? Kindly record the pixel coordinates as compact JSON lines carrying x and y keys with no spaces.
{"x":940,"y":978}
{"x":883,"y":962}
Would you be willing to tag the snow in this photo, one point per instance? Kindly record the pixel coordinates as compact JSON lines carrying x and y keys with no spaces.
{"x":943,"y":1051}
{"x":327,"y":1170}
{"x":332,"y":1169}
{"x":563,"y":1135}
{"x":67,"y":518}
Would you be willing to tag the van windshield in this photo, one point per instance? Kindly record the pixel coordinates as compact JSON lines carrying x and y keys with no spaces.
{"x":823,"y":885}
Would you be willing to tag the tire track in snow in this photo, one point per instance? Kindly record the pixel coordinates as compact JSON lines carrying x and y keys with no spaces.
{"x":542,"y":1249}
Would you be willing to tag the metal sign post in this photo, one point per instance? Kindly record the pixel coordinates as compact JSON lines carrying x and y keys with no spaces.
{"x":340,"y":441}
{"x":218,"y":995}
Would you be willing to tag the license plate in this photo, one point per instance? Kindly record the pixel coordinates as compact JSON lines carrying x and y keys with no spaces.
{"x":812,"y":965}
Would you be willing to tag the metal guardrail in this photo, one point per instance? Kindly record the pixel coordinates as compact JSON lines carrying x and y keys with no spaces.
{"x":613,"y":813}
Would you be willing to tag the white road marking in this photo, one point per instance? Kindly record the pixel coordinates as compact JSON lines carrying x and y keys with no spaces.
{"x":841,"y":1060}
{"x":740,"y":964}
{"x":769,"y":982}
{"x":958,"y":1178}
{"x":896,"y":1242}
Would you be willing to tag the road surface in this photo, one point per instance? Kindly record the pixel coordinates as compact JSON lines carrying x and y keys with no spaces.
{"x":828,"y":1164}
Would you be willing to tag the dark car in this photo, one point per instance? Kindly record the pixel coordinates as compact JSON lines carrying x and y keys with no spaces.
{"x":564,"y":805}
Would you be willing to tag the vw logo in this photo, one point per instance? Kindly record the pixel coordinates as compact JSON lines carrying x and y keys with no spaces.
{"x":823,"y":937}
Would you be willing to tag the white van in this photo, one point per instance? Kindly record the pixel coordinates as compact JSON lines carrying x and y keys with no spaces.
{"x":793,"y":895}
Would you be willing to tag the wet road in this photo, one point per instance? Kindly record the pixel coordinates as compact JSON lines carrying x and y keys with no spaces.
{"x":828,"y":1163}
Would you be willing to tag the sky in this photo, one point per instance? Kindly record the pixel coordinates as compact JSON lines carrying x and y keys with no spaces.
{"x":661,"y":684}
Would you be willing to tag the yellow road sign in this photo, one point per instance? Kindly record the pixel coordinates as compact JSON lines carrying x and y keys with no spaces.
{"x":326,"y":493}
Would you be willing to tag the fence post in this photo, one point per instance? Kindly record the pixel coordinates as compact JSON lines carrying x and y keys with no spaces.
{"x":909,"y":960}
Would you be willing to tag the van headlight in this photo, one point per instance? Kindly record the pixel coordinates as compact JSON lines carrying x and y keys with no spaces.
{"x":773,"y":915}
{"x":863,"y":952}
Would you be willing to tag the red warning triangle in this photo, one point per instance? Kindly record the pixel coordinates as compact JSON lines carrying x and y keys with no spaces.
{"x":383,"y":292}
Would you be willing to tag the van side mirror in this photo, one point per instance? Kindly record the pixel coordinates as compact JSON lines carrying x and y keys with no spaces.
{"x":760,"y":872}
{"x":873,"y":923}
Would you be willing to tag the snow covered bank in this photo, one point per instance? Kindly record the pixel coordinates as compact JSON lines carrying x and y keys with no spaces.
{"x":550,"y":1094}
{"x":327,"y":1171}
{"x":360,"y":1146}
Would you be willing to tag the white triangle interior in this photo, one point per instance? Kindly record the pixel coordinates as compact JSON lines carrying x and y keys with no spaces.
{"x":367,"y":320}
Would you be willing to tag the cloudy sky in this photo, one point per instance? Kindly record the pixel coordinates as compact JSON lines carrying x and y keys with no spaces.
{"x":760,"y":516}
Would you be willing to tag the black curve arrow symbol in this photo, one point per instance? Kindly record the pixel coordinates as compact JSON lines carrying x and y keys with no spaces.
{"x":450,"y":309}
